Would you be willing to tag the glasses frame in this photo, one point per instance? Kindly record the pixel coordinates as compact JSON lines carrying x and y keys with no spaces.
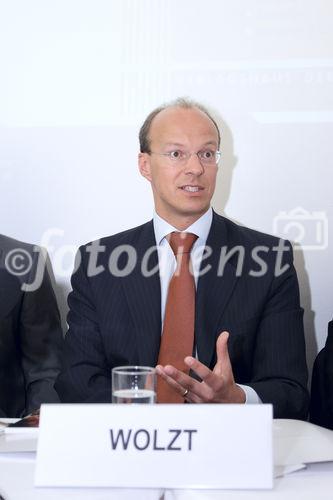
{"x":188,"y":155}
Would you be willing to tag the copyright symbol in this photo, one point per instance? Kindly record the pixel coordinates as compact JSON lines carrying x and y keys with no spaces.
{"x":18,"y":262}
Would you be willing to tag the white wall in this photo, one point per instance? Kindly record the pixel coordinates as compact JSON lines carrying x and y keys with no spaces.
{"x":78,"y":78}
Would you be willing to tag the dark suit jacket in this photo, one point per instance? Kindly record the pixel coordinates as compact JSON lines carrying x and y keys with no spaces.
{"x":321,"y":407}
{"x":30,"y":335}
{"x":117,"y":320}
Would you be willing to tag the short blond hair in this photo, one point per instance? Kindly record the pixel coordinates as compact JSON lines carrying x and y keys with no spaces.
{"x":180,"y":102}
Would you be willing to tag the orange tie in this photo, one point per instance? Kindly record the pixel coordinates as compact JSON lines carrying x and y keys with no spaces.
{"x":178,"y":329}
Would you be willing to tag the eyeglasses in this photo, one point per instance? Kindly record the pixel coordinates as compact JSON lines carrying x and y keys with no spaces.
{"x":207,"y":157}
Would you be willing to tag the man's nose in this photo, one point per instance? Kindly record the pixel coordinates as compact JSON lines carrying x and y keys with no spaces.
{"x":193,"y":165}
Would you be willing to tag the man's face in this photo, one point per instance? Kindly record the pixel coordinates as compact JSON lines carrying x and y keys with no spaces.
{"x":182,"y":191}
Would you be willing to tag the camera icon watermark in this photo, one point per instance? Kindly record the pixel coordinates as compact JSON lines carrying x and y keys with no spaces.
{"x":308,"y":229}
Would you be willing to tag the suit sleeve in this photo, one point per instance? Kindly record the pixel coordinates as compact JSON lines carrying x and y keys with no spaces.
{"x":85,"y":375}
{"x":279,"y":364}
{"x":329,"y":371}
{"x":321,"y":406}
{"x":41,"y":337}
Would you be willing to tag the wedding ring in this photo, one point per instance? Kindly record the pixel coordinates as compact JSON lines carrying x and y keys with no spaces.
{"x":185,"y":393}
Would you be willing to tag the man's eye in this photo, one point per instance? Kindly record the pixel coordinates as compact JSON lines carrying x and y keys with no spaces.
{"x":175,"y":155}
{"x":207,"y":154}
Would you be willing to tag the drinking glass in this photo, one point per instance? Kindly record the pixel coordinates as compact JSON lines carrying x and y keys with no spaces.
{"x":133,"y":384}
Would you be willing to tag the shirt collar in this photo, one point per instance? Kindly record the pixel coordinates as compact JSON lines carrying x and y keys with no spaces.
{"x":200,"y":227}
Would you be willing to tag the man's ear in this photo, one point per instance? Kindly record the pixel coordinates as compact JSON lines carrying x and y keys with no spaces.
{"x":144,"y":165}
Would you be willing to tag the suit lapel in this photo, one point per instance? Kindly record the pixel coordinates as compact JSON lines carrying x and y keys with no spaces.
{"x":213,"y":292}
{"x":144,"y":299}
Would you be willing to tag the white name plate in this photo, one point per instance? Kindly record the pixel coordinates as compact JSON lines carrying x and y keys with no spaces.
{"x":155,"y":446}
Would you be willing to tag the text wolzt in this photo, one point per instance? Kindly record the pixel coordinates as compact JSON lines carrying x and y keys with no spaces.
{"x":143,"y":439}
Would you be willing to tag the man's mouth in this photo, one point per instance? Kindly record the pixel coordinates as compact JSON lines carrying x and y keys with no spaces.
{"x":191,"y":189}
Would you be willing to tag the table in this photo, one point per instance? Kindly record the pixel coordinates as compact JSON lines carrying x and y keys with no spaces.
{"x":313,"y":482}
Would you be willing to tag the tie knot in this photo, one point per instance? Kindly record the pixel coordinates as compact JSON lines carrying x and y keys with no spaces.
{"x":181,"y":242}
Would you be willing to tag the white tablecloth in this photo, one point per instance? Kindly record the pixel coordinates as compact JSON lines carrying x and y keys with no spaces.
{"x":16,"y":483}
{"x":313,"y":483}
{"x":17,"y":477}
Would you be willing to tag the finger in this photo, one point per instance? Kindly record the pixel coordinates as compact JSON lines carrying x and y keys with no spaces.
{"x":210,"y":379}
{"x":185,"y":381}
{"x":193,"y":398}
{"x":223,"y":364}
{"x":160,"y":371}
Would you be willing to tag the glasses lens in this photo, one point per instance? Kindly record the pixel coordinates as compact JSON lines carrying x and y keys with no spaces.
{"x":208,"y":157}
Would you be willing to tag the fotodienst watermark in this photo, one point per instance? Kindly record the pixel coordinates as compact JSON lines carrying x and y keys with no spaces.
{"x":308,"y":230}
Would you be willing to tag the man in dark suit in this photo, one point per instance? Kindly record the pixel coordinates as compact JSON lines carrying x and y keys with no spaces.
{"x":321,"y":405}
{"x":246,"y":287}
{"x":30,"y":333}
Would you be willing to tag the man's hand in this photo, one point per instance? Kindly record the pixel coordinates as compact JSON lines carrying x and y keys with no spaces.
{"x":217,"y":386}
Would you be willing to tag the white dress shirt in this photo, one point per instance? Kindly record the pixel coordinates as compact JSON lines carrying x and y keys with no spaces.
{"x":168,"y":263}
